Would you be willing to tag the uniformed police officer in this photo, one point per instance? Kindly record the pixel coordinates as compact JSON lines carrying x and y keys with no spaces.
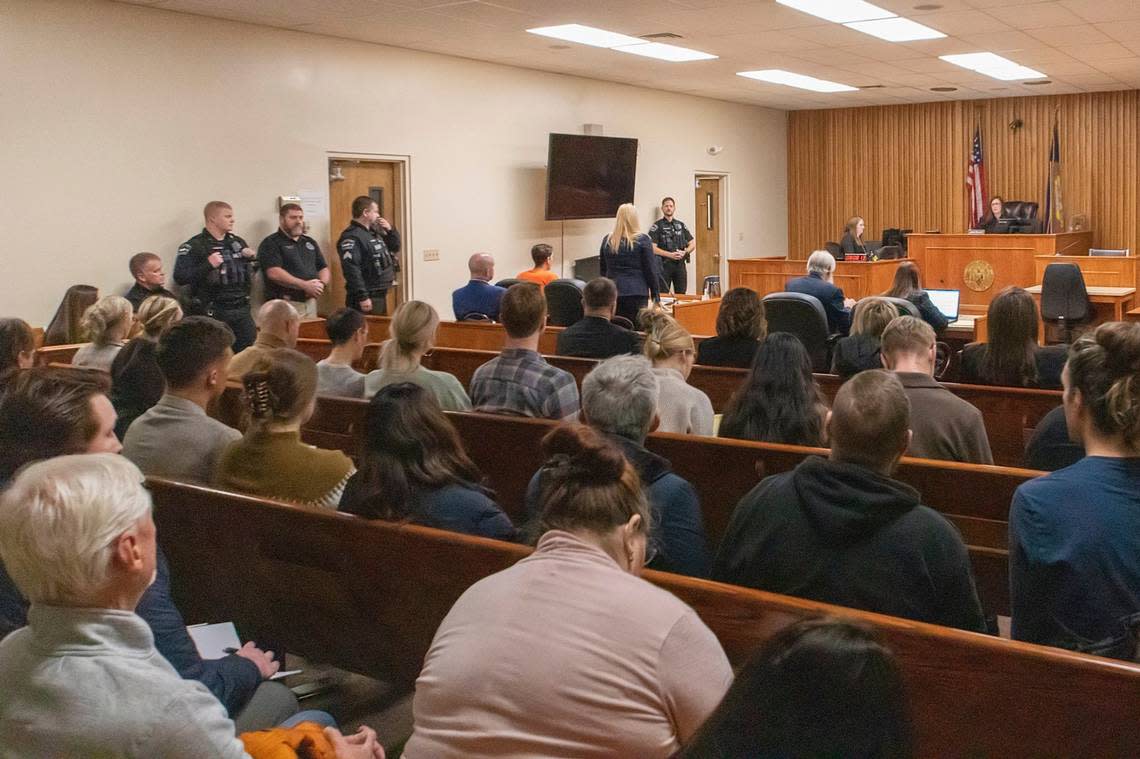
{"x":292,"y":263}
{"x":217,"y":267}
{"x":673,"y":242}
{"x":368,"y":257}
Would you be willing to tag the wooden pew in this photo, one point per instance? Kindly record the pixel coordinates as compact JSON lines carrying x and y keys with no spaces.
{"x":368,"y":597}
{"x":57,"y":354}
{"x":475,"y":335}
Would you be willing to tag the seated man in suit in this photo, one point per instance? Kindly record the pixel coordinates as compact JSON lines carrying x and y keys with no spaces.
{"x":820,"y":267}
{"x":594,"y":335}
{"x":945,"y":426}
{"x":478,"y":296}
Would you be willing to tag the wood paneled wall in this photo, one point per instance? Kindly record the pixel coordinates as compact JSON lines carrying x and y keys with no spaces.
{"x":905,"y":166}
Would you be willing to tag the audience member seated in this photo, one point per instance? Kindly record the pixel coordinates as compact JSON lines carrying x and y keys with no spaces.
{"x":270,"y":461}
{"x":842,"y":531}
{"x":519,"y":381}
{"x":569,"y":653}
{"x":595,"y":335}
{"x":150,"y":279}
{"x":779,"y":401}
{"x":1012,"y":356}
{"x":348,"y":332}
{"x":680,"y":406}
{"x":175,"y":438}
{"x":908,"y":286}
{"x":740,"y":328}
{"x":278,"y":326}
{"x":136,"y":380}
{"x":412,"y":335}
{"x":17,"y":346}
{"x":1074,"y":535}
{"x":818,"y":282}
{"x":541,"y":274}
{"x":413,"y":467}
{"x":1052,"y":447}
{"x":107,"y":324}
{"x":944,"y":426}
{"x":819,"y":688}
{"x":478,"y":297}
{"x":861,"y":350}
{"x":619,"y":399}
{"x":51,"y":412}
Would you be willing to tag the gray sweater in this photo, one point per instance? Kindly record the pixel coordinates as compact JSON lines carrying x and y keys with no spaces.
{"x":175,"y":439}
{"x":89,"y":682}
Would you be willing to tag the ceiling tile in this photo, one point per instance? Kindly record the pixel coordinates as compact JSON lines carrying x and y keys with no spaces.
{"x":1081,"y":34}
{"x":1104,"y":10}
{"x":1036,"y":16}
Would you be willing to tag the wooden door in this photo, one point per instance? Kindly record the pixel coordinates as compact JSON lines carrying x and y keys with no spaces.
{"x":707,"y":230}
{"x":382,"y":181}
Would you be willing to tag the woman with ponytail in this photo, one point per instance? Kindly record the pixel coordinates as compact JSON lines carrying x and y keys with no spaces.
{"x":412,"y":336}
{"x":569,"y":653}
{"x":107,"y":324}
{"x":1074,"y":534}
{"x":270,"y":460}
{"x":680,"y":407}
{"x":136,"y":381}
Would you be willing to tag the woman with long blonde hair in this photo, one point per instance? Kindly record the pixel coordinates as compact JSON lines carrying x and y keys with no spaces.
{"x":412,"y":336}
{"x":626,"y":257}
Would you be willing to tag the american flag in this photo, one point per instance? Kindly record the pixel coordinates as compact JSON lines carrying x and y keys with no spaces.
{"x":976,"y":181}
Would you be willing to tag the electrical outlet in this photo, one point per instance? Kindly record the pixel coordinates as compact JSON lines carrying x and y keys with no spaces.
{"x":431,"y":255}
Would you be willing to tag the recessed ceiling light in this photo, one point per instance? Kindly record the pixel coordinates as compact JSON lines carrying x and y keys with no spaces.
{"x":896,"y":29}
{"x":586,"y":35}
{"x":779,"y":76}
{"x":664,"y":52}
{"x":993,"y":66}
{"x":839,"y":11}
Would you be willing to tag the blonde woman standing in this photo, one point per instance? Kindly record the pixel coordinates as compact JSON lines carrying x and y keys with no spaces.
{"x":107,"y":324}
{"x":627,"y":258}
{"x":680,"y":406}
{"x":412,"y":335}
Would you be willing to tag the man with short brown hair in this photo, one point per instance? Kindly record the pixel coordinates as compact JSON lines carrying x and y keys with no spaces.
{"x":291,"y":261}
{"x":150,"y":279}
{"x":367,"y":250}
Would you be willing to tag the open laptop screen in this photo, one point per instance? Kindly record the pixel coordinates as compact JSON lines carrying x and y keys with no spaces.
{"x":945,"y":301}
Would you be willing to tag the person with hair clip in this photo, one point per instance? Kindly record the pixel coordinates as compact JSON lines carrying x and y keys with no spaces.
{"x":990,"y":221}
{"x":626,"y":257}
{"x":907,"y":285}
{"x":740,"y":329}
{"x":819,"y":688}
{"x":852,"y":241}
{"x":136,"y":381}
{"x":861,"y":350}
{"x":1012,"y":357}
{"x":17,"y":346}
{"x":779,"y":401}
{"x":681,"y":407}
{"x":270,"y":461}
{"x":569,"y":653}
{"x":1074,"y":534}
{"x":107,"y":324}
{"x":412,"y":336}
{"x":413,"y":468}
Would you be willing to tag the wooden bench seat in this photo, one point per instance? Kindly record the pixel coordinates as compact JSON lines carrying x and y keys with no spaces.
{"x":368,"y":597}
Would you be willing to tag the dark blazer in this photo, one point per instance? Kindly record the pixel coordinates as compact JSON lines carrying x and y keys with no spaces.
{"x":850,"y":245}
{"x":136,"y":382}
{"x":929,"y":312}
{"x":855,"y":354}
{"x":634,"y":271}
{"x":1050,"y":448}
{"x":727,"y":351}
{"x":477,"y":297}
{"x":1050,"y":362}
{"x":595,"y":337}
{"x":137,"y":294}
{"x":838,"y":317}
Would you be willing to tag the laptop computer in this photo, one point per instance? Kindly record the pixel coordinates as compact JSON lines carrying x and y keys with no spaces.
{"x":946,"y":301}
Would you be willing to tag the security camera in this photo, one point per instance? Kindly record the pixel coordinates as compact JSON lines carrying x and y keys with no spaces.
{"x":714,"y":149}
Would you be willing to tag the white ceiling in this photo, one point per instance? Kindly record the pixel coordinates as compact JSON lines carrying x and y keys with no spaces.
{"x":1082,"y":45}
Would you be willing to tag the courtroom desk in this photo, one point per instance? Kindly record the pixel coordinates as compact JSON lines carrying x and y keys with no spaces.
{"x":1098,"y":271}
{"x":857,"y":279}
{"x":1109,"y":303}
{"x":698,"y":317}
{"x":993,"y":261}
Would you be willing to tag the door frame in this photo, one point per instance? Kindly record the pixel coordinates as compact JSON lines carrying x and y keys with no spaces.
{"x":723,"y":178}
{"x":403,"y":165}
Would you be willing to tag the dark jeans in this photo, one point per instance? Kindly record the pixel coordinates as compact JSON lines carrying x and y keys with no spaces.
{"x":674,"y":273}
{"x":629,"y":305}
{"x":240,"y":321}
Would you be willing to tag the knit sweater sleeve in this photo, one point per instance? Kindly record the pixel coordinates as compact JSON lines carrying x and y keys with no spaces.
{"x":694,"y":674}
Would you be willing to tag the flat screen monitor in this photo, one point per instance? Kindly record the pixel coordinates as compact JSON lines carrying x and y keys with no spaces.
{"x":589,"y":177}
{"x":946,"y":301}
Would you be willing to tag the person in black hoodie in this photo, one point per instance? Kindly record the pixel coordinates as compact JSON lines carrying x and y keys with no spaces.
{"x":841,"y":531}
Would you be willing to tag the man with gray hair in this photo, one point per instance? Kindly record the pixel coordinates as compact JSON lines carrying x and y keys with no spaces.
{"x":479,"y":296}
{"x":818,"y":282}
{"x":619,"y":398}
{"x":278,"y":326}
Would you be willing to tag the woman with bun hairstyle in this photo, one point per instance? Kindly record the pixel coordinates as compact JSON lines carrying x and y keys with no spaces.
{"x":680,"y":407}
{"x":107,"y":324}
{"x":136,"y":381}
{"x":270,"y":461}
{"x":1074,"y":534}
{"x":569,"y":653}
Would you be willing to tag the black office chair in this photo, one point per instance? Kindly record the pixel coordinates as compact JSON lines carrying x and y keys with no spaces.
{"x":564,"y":302}
{"x":803,"y":316}
{"x":621,"y":321}
{"x":905,"y":307}
{"x":505,"y":283}
{"x":475,"y":316}
{"x":1064,"y":298}
{"x":835,"y":249}
{"x":890,"y":253}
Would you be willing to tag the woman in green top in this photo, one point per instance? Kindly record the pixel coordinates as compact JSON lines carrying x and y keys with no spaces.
{"x":412,"y":335}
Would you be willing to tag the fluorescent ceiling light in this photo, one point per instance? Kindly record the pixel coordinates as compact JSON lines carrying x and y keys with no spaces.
{"x":896,"y":29}
{"x":779,"y":76}
{"x":839,"y":11}
{"x":664,"y":52}
{"x":993,"y":65}
{"x":586,"y":35}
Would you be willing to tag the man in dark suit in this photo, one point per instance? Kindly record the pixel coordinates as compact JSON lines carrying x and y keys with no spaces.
{"x":594,"y":335}
{"x":478,"y":296}
{"x":820,"y":267}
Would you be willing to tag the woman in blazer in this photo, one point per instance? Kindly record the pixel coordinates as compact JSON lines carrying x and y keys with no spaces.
{"x":626,"y":257}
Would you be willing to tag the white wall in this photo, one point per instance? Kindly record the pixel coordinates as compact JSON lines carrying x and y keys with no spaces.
{"x":118,"y":122}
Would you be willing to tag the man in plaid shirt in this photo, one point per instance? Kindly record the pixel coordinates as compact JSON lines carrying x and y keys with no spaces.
{"x":520,"y":382}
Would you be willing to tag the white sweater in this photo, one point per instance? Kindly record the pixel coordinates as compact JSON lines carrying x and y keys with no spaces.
{"x":681,"y":407}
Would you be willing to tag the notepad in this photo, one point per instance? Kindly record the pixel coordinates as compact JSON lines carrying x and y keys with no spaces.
{"x":215,"y":641}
